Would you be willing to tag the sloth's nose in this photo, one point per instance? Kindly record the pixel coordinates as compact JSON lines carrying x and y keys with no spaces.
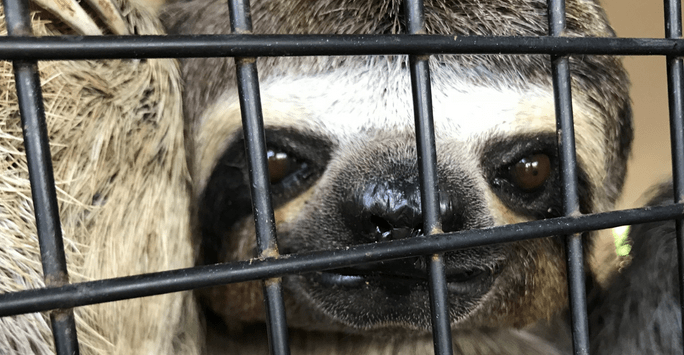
{"x":393,"y":210}
{"x":388,"y":210}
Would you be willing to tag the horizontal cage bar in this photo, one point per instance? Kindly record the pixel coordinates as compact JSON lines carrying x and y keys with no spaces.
{"x":186,"y":46}
{"x":108,"y":290}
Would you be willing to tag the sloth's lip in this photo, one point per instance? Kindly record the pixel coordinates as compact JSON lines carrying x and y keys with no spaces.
{"x":406,"y":272}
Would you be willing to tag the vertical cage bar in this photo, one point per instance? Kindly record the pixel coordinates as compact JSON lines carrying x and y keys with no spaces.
{"x":560,"y":68}
{"x":675,"y":85}
{"x":34,"y":128}
{"x":427,"y":164}
{"x":260,"y":188}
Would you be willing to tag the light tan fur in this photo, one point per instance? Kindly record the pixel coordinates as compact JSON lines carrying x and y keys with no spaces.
{"x":117,"y":147}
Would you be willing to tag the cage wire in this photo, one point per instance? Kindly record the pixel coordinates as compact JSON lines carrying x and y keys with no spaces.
{"x":61,"y":297}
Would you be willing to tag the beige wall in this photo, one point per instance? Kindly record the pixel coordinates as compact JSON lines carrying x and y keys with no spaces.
{"x":650,"y":161}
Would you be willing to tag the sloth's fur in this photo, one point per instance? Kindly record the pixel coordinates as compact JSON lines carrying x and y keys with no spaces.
{"x":643,"y":294}
{"x":149,"y":179}
{"x":116,"y":138}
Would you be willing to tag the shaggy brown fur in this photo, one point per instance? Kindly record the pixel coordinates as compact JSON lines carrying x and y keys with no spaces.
{"x":116,"y":138}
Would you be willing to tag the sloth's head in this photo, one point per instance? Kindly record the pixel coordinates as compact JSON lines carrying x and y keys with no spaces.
{"x":343,"y":163}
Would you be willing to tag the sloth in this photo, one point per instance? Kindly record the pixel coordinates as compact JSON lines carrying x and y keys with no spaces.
{"x":151,"y":172}
{"x":343,"y":168}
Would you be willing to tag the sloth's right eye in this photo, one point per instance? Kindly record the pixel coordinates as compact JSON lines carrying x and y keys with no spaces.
{"x":280,"y":165}
{"x":287,"y":172}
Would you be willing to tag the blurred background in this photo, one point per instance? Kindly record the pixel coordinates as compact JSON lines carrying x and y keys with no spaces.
{"x":650,"y":162}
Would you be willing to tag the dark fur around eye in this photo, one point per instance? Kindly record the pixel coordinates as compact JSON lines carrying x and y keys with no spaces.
{"x":226,"y":198}
{"x":288,"y":174}
{"x":509,"y":166}
{"x":295,"y":161}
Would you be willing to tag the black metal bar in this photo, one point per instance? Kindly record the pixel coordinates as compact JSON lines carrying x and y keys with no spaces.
{"x":185,"y":46}
{"x":34,"y":128}
{"x":92,"y":292}
{"x":427,"y":168}
{"x":260,"y":187}
{"x":64,"y":331}
{"x":427,"y":163}
{"x":255,"y":146}
{"x":560,"y":68}
{"x":675,"y":84}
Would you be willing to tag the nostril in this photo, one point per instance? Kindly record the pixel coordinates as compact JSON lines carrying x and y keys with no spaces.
{"x":381,"y":224}
{"x":382,"y":228}
{"x":385,"y":231}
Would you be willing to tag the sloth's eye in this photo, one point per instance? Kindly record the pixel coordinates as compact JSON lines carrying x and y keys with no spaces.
{"x":531,"y":171}
{"x":287,"y":172}
{"x":280,"y":165}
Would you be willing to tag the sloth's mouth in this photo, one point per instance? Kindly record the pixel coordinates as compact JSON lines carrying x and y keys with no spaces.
{"x":396,"y":292}
{"x":403,"y":275}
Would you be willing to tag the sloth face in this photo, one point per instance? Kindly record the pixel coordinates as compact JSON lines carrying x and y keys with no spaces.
{"x":343,"y":169}
{"x":343,"y":160}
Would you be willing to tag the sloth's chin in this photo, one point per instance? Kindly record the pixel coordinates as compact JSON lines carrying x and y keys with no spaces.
{"x":389,"y":293}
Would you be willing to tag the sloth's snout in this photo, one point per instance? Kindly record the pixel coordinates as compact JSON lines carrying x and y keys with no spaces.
{"x":384,"y":210}
{"x":389,"y":210}
{"x":383,"y":203}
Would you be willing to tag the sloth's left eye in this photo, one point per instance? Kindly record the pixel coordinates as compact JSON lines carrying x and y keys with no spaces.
{"x":523,"y":172}
{"x":530,"y":172}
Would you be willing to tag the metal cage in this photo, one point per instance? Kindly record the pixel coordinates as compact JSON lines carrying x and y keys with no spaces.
{"x":24,"y":51}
